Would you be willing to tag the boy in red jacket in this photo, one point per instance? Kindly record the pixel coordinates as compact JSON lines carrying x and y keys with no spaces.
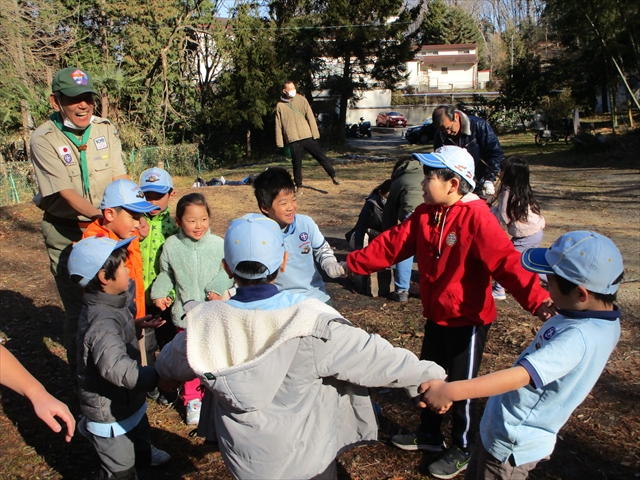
{"x":459,"y":246}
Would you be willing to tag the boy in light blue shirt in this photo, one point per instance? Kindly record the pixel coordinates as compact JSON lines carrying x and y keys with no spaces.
{"x":531,"y":401}
{"x":306,"y":246}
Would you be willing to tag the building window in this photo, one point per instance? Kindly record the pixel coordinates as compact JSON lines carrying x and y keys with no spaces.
{"x":465,"y":51}
{"x":444,"y":70}
{"x":432,"y":52}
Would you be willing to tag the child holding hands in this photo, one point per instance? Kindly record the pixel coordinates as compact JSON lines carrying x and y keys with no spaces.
{"x":531,"y":401}
{"x":190,"y":264}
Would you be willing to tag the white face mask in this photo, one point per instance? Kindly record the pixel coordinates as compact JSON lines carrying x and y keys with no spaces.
{"x":383,"y":200}
{"x":291,"y":93}
{"x":69,"y":124}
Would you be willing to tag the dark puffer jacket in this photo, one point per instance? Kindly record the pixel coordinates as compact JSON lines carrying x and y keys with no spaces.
{"x":369,"y":221}
{"x":477,"y":138}
{"x":405,"y":194}
{"x":112,"y":384}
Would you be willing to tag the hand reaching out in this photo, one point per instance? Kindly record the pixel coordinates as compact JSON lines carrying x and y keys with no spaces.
{"x":334,"y":270}
{"x":143,"y":228}
{"x":434,"y":396}
{"x":547,"y":310}
{"x":48,"y":407}
{"x":163,"y":303}
{"x":347,"y":270}
{"x":213,"y":296}
{"x":149,"y":321}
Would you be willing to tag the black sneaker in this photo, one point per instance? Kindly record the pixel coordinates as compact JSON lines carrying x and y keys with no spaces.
{"x":397,"y":296}
{"x":450,"y":464}
{"x":418,"y":441}
{"x":336,"y":181}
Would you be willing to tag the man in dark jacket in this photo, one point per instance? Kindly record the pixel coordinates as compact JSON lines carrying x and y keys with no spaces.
{"x":476,"y":136}
{"x":405,"y":195}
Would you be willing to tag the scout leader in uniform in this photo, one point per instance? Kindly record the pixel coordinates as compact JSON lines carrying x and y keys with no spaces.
{"x":75,"y":156}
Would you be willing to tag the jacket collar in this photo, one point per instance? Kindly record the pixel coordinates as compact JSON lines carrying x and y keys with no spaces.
{"x":465,"y":123}
{"x":190,"y":242}
{"x":115,"y":301}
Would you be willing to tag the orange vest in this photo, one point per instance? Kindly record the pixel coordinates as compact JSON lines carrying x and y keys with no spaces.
{"x":134,"y":261}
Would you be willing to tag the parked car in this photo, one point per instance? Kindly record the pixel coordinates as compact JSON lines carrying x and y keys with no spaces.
{"x":421,"y":133}
{"x":391,"y":119}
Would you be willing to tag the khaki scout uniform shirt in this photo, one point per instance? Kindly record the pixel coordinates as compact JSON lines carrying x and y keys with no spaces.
{"x":56,"y":162}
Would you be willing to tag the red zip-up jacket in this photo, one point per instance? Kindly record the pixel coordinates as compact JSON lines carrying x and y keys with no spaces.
{"x":458,"y":250}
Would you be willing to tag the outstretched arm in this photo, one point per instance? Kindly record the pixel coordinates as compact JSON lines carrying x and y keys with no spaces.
{"x":47,"y":407}
{"x":438,"y":395}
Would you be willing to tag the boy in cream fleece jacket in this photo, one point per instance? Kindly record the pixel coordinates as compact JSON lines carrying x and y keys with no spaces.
{"x":288,"y":373}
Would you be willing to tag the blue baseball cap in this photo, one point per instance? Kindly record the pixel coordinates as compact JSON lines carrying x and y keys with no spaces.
{"x":156,"y":180}
{"x":453,"y":158}
{"x":89,"y":255}
{"x":128,"y":195}
{"x":254,"y":238}
{"x":582,"y":257}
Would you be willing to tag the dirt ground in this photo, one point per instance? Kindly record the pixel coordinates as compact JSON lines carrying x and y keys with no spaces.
{"x":595,"y":190}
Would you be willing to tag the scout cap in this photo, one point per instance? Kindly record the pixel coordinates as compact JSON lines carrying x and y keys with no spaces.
{"x":90,"y":254}
{"x":156,"y":180}
{"x":254,"y":238}
{"x":582,"y":257}
{"x":453,"y":158}
{"x":128,"y":195}
{"x":72,"y":82}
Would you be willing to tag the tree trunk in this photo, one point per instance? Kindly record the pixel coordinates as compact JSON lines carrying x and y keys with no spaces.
{"x":344,"y":97}
{"x":24,"y":109}
{"x":248,"y":143}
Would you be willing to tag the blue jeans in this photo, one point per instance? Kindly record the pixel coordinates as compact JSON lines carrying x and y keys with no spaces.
{"x":403,"y":275}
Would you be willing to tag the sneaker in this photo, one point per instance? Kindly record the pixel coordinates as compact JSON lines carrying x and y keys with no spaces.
{"x":399,"y":296}
{"x":451,"y":464}
{"x":193,"y":411}
{"x":498,"y":293}
{"x":335,"y":181}
{"x":418,"y":441}
{"x":159,"y":457}
{"x":167,"y":398}
{"x":154,"y":394}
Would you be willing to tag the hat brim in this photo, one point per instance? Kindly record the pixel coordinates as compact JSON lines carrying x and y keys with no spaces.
{"x":155,"y":188}
{"x":140,"y":207}
{"x":123,"y":242}
{"x":534,"y":260}
{"x":75,"y":91}
{"x":430,"y":160}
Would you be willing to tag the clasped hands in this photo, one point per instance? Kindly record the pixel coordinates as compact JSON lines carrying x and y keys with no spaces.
{"x":434,"y":396}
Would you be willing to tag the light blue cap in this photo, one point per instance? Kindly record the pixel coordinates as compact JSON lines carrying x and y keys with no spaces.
{"x":126,"y":194}
{"x":582,"y":257}
{"x":254,"y":238}
{"x":156,"y":180}
{"x":451,"y":157}
{"x":89,"y":255}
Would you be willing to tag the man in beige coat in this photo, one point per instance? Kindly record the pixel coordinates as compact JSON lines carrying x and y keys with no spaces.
{"x":296,"y":127}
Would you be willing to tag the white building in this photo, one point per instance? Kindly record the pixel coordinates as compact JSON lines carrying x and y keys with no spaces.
{"x":444,"y":67}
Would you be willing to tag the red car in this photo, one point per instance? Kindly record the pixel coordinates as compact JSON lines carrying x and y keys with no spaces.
{"x":391,"y":119}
